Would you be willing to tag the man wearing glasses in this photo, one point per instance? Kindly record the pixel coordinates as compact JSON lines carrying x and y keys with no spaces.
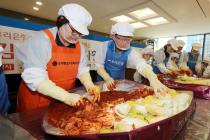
{"x":52,"y":60}
{"x":113,"y":57}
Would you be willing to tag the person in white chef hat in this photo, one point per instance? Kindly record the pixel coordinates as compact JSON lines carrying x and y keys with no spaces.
{"x":174,"y":57}
{"x":181,"y":56}
{"x":114,"y":56}
{"x":205,"y":72}
{"x":161,"y":57}
{"x":146,"y":53}
{"x":52,"y":59}
{"x":192,"y":60}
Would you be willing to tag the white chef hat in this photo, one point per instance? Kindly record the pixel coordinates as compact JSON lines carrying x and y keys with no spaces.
{"x":176,"y":55}
{"x":122,"y":28}
{"x":181,"y":43}
{"x":206,"y":60}
{"x":174,"y":43}
{"x":197,"y":46}
{"x":78,"y":17}
{"x":147,"y":50}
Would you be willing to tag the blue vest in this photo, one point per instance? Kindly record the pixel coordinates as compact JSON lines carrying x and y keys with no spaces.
{"x":192,"y":62}
{"x":4,"y":99}
{"x":115,"y":64}
{"x":154,"y":66}
{"x":180,"y":53}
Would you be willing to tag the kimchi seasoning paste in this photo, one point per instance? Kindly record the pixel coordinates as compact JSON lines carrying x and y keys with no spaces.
{"x":113,"y":95}
{"x":126,"y":95}
{"x":58,"y":113}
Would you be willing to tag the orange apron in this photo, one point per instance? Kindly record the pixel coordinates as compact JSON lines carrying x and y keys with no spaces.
{"x":62,"y":70}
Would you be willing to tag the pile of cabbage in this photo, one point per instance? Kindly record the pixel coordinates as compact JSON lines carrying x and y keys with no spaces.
{"x":145,"y":111}
{"x":192,"y":80}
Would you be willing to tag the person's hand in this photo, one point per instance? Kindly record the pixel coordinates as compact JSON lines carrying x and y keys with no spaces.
{"x":154,"y":82}
{"x":189,"y":72}
{"x":169,"y":72}
{"x":110,"y":83}
{"x":181,"y":71}
{"x":74,"y":100}
{"x":178,"y":70}
{"x":48,"y":88}
{"x":159,"y":87}
{"x":174,"y":74}
{"x":175,"y":69}
{"x":198,"y":72}
{"x":183,"y":68}
{"x":159,"y":75}
{"x":108,"y":80}
{"x":94,"y":93}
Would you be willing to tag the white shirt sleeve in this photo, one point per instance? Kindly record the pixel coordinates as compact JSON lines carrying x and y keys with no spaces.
{"x":136,"y":61}
{"x":159,"y":56}
{"x":170,"y":65}
{"x":83,"y":68}
{"x":100,"y":55}
{"x":1,"y":54}
{"x":34,"y":54}
{"x":184,"y":61}
{"x":206,"y":73}
{"x":198,"y":63}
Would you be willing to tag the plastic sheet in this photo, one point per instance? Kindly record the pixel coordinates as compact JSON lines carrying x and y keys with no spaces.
{"x":201,"y":91}
{"x":198,"y":125}
{"x":165,"y":129}
{"x":11,"y":131}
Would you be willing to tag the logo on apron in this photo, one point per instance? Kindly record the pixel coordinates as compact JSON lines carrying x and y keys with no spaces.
{"x":115,"y":62}
{"x":55,"y":63}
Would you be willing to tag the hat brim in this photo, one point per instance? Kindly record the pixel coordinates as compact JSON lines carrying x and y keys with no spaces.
{"x":205,"y":61}
{"x":196,"y":49}
{"x":124,"y":33}
{"x":175,"y":48}
{"x":81,"y":29}
{"x":147,"y":53}
{"x":150,"y":53}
